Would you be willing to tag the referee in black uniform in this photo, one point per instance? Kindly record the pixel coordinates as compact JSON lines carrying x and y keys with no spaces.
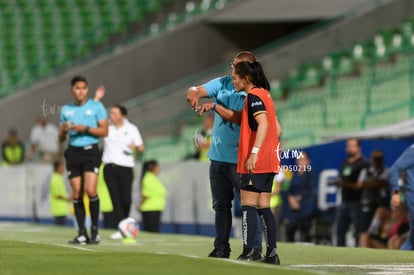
{"x":84,"y":121}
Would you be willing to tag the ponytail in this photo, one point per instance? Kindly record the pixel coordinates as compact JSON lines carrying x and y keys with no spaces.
{"x":254,"y":71}
{"x":259,"y":78}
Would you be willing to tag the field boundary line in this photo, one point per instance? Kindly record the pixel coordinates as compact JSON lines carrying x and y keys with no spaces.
{"x":61,"y":245}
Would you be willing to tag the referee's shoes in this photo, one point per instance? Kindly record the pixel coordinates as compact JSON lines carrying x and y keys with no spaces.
{"x":82,"y":238}
{"x":95,"y":239}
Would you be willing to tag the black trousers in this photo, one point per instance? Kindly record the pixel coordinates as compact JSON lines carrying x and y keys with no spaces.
{"x":119,"y":181}
{"x":151,"y":221}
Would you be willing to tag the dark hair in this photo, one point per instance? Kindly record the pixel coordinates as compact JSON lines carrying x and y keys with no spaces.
{"x":358,"y":141}
{"x":254,"y":71}
{"x":78,"y":78}
{"x":13,"y":132}
{"x":56,"y":164}
{"x":148,"y":165}
{"x":246,"y":56}
{"x":122,"y":109}
{"x":377,"y":154}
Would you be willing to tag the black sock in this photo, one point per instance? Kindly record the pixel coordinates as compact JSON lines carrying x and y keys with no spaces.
{"x":269,"y":228}
{"x":249,"y":226}
{"x":79,"y":214}
{"x":94,"y":209}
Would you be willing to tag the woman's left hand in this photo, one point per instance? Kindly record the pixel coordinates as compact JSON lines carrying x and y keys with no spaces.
{"x":78,"y":128}
{"x":206,"y":107}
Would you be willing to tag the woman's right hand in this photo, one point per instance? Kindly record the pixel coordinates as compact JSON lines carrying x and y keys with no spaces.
{"x":193,"y":98}
{"x":251,"y":163}
{"x":64,"y":128}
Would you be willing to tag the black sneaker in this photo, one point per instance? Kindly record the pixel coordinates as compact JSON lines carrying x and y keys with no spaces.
{"x":219,"y":253}
{"x":95,"y":239}
{"x":273,"y":258}
{"x":80,"y":239}
{"x":253,"y":255}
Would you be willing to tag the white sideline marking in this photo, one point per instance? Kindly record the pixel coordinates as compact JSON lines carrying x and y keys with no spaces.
{"x":22,"y":229}
{"x":377,"y":269}
{"x":233,"y":261}
{"x":63,"y":245}
{"x":190,"y":256}
{"x":182,"y":255}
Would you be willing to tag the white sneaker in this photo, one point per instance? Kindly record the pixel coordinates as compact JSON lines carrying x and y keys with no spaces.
{"x":81,"y":239}
{"x":117,"y":236}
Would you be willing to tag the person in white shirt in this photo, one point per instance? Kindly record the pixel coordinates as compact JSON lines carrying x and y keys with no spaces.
{"x":123,"y":140}
{"x":44,"y":140}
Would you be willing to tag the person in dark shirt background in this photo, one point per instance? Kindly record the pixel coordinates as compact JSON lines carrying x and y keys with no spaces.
{"x":349,"y":212}
{"x":301,"y":201}
{"x":375,"y":198}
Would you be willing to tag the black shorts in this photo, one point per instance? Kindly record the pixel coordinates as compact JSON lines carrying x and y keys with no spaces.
{"x":82,"y":159}
{"x":257,"y":182}
{"x":384,"y":241}
{"x":367,"y":213}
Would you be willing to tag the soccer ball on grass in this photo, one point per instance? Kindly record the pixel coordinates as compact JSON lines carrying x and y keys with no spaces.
{"x":128,"y":228}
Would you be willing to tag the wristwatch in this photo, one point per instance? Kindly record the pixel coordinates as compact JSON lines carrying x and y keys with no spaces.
{"x":87,"y":129}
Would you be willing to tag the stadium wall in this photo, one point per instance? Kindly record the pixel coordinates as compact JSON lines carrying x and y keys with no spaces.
{"x":25,"y":195}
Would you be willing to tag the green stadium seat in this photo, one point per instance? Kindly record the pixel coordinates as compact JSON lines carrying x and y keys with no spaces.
{"x":152,"y":6}
{"x":360,"y":53}
{"x":43,"y":68}
{"x":346,"y":64}
{"x":407,"y":27}
{"x":339,"y":63}
{"x":220,"y":4}
{"x":8,"y":12}
{"x":131,"y":13}
{"x":394,"y":41}
{"x":207,"y":5}
{"x":192,"y":9}
{"x":99,"y":37}
{"x":277,"y":90}
{"x":309,"y":76}
{"x":379,"y":49}
{"x":25,"y":78}
{"x":172,"y":20}
{"x":44,"y":3}
{"x":292,"y":80}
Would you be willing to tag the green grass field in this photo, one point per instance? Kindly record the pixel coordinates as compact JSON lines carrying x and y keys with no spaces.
{"x":34,"y":249}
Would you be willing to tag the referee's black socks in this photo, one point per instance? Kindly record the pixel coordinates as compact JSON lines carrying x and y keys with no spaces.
{"x":269,"y":228}
{"x":94,"y":209}
{"x":79,"y":208}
